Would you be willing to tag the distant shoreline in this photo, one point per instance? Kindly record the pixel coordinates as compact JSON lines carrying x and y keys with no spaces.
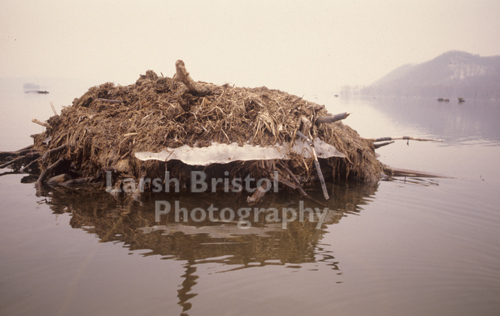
{"x":37,"y":91}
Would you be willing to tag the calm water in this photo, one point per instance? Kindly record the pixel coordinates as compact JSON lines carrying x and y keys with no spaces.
{"x":412,"y":246}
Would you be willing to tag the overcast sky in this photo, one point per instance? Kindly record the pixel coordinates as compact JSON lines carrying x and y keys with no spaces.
{"x":293,"y":46}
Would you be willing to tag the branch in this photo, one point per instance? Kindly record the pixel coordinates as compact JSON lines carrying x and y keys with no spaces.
{"x":183,"y":76}
{"x":258,"y":195}
{"x":108,"y":100}
{"x":53,"y":109}
{"x":76,"y":181}
{"x":5,"y":154}
{"x":306,"y":126}
{"x":11,"y":161}
{"x":47,"y":125}
{"x":383,"y":139}
{"x":29,"y":164}
{"x":332,"y":118}
{"x":43,"y":175}
{"x":316,"y":163}
{"x":29,"y":156}
{"x":382,"y":144}
{"x":298,"y":187}
{"x":54,"y":150}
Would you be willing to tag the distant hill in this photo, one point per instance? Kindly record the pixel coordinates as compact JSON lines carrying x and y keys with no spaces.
{"x":452,"y":74}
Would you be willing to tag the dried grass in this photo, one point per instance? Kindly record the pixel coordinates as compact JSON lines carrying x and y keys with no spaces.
{"x":158,"y":112}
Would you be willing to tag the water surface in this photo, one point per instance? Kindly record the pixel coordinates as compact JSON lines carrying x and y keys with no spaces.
{"x":410,"y":246}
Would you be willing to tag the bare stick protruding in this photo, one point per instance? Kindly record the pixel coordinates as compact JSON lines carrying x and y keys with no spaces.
{"x":332,"y":118}
{"x":183,"y":76}
{"x":47,"y":125}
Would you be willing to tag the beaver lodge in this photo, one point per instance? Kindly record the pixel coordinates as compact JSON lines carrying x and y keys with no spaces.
{"x":160,"y":125}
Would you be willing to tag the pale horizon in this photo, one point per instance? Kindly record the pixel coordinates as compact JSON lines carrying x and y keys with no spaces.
{"x":292,"y":46}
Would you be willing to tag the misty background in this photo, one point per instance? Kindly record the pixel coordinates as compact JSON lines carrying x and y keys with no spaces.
{"x":295,"y":46}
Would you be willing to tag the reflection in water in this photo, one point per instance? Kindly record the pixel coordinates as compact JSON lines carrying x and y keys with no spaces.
{"x":212,"y":240}
{"x":446,"y":257}
{"x":426,"y":182}
{"x":454,"y":122}
{"x":188,"y":283}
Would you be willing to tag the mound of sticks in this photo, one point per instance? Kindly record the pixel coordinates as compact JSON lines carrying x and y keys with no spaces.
{"x":104,"y":128}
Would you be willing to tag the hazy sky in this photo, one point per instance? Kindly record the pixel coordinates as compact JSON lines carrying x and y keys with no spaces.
{"x":289,"y":45}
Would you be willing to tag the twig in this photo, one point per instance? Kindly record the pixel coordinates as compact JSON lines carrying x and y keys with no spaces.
{"x":53,"y":109}
{"x":316,"y":107}
{"x":5,"y":154}
{"x":76,"y":181}
{"x":47,"y":125}
{"x":29,"y":156}
{"x":11,"y":161}
{"x":8,"y":172}
{"x":258,"y":195}
{"x":306,"y":125}
{"x":382,"y":144}
{"x":43,"y":175}
{"x":298,"y":187}
{"x":54,"y":150}
{"x":300,"y":98}
{"x":332,"y":118}
{"x":316,"y":163}
{"x":24,"y":150}
{"x":399,"y":172}
{"x":108,"y":100}
{"x":29,"y":165}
